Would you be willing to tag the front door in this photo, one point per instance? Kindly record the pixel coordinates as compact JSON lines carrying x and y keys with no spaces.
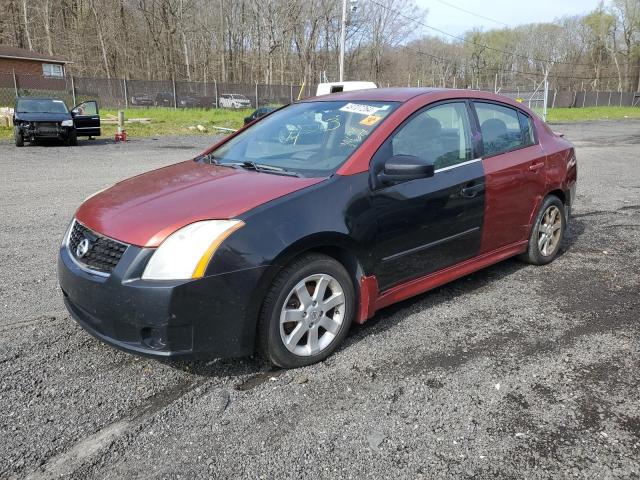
{"x":86,"y":118}
{"x":429,"y":224}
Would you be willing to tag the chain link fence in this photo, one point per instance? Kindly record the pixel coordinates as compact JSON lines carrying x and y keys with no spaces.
{"x":121,"y":93}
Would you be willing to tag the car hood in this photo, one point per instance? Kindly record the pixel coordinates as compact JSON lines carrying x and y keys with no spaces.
{"x":42,"y":117}
{"x":144,"y":210}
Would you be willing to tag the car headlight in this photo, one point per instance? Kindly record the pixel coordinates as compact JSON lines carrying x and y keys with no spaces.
{"x":67,"y":123}
{"x":186,"y":253}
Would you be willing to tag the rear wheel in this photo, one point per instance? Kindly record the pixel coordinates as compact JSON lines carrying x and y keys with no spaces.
{"x":307,"y":312}
{"x":18,"y":138}
{"x":547,"y":232}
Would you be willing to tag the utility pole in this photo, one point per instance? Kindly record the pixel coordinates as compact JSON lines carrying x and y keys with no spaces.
{"x":343,"y":33}
{"x":546,"y":92}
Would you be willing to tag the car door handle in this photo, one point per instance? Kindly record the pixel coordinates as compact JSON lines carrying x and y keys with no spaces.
{"x":473,"y":190}
{"x":536,"y":166}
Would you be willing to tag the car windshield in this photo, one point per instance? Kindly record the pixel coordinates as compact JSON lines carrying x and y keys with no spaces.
{"x":239,"y":97}
{"x":36,"y":105}
{"x":310,"y":138}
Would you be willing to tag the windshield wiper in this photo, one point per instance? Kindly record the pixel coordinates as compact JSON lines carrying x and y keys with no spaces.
{"x":260,"y":167}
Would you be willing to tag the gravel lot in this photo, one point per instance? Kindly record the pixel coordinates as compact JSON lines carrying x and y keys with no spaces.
{"x":514,"y":372}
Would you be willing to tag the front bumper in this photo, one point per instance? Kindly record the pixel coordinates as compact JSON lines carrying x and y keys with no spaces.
{"x":190,"y":318}
{"x":32,"y":132}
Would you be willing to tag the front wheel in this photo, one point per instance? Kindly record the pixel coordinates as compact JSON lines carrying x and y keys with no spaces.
{"x":307,"y":312}
{"x":72,"y":139}
{"x":547,"y":232}
{"x":18,"y":138}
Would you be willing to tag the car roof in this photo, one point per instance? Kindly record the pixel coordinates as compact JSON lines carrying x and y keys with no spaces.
{"x":404,"y":94}
{"x":377,"y":94}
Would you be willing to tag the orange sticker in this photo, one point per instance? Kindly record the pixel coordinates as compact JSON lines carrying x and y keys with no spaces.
{"x":370,"y":120}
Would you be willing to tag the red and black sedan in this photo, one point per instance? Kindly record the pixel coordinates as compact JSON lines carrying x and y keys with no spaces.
{"x":315,"y":216}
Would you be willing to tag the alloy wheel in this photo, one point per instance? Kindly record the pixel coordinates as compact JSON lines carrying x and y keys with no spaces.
{"x":549,"y":231}
{"x":312,"y":315}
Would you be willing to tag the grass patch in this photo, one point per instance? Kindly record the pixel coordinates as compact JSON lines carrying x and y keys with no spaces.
{"x":557,"y":115}
{"x":6,"y":132}
{"x":168,"y":121}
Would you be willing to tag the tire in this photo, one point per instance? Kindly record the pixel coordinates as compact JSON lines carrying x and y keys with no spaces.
{"x":18,"y":138}
{"x":307,"y":275}
{"x":550,"y":220}
{"x":72,"y":139}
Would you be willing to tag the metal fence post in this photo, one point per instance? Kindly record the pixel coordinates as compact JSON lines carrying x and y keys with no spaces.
{"x":597,"y":95}
{"x":175,"y":100}
{"x":257,"y":106}
{"x":291,"y":94}
{"x":15,"y":83}
{"x":546,"y":95}
{"x":609,"y":104}
{"x":126,"y":94}
{"x":215,"y":87}
{"x":73,"y":91}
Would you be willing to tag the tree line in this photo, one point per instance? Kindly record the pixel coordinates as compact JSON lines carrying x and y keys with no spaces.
{"x":295,"y":41}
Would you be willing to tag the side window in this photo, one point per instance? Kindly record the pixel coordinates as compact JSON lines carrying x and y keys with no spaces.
{"x":528,"y":138}
{"x":500,"y":127}
{"x":439,"y":134}
{"x":87,"y":108}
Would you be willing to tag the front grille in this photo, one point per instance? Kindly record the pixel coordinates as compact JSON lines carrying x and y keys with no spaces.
{"x":47,"y":128}
{"x":103,"y":253}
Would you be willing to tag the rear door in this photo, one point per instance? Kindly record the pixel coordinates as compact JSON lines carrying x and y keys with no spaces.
{"x":429,"y":224}
{"x":86,"y":118}
{"x":515,"y":177}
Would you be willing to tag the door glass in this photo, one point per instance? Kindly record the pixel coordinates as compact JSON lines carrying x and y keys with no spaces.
{"x":440,"y":134}
{"x":527,"y":129}
{"x":500,"y":128}
{"x":87,"y":108}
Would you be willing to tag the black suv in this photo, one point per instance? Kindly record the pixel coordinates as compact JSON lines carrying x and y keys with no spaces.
{"x":35,"y":118}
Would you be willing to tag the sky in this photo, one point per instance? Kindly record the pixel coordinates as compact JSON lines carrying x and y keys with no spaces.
{"x":504,"y":12}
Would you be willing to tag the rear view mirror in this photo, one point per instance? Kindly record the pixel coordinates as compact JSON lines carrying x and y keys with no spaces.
{"x":402,"y":168}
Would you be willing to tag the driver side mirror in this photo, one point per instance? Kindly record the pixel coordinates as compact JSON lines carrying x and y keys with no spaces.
{"x":402,"y":168}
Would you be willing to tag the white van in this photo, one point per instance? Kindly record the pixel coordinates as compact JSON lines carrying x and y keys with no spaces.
{"x":335,"y":87}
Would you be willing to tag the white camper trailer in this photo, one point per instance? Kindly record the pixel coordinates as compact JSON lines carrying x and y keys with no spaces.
{"x":335,"y":87}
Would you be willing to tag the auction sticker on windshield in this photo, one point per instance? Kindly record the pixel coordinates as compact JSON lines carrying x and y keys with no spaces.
{"x":370,"y":120}
{"x":359,"y":108}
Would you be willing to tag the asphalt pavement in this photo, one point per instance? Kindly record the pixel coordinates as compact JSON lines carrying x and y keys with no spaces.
{"x":516,"y":371}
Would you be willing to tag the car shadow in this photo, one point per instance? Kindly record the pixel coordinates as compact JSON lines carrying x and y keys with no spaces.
{"x":258,"y":372}
{"x":53,"y":142}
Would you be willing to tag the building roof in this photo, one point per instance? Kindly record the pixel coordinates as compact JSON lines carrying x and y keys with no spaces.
{"x":20,"y":53}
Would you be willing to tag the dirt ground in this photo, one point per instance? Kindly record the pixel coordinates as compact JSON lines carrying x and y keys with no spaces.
{"x":514,"y":372}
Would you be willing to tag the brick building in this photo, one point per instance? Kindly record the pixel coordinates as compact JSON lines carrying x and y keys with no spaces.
{"x":26,"y":62}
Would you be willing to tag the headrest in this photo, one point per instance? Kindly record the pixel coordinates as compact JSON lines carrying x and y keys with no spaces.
{"x":492,"y":129}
